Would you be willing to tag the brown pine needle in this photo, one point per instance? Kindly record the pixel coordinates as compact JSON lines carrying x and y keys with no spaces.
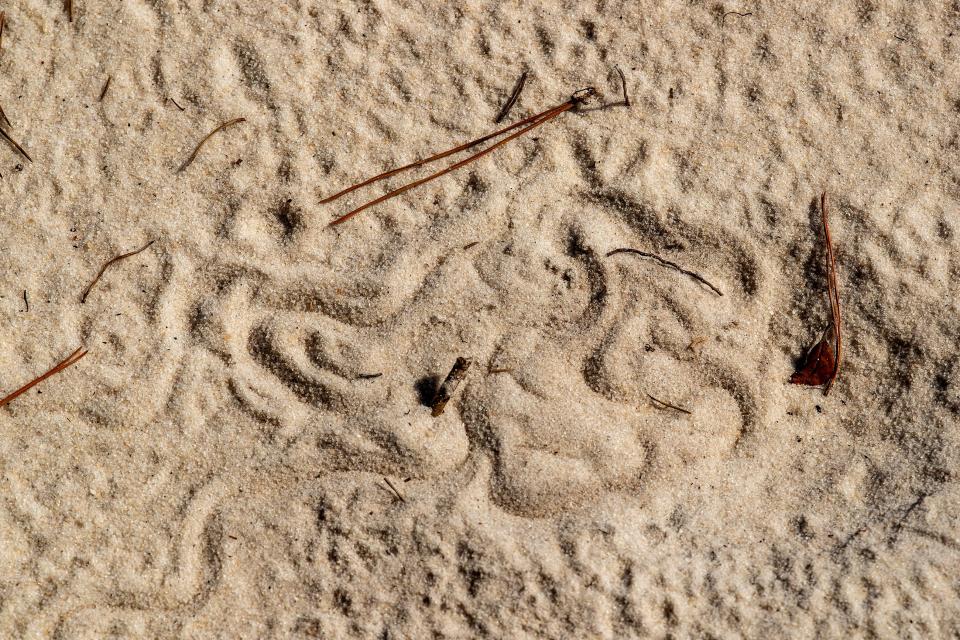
{"x":72,"y":359}
{"x":86,"y":292}
{"x":193,"y":155}
{"x":3,"y":22}
{"x":6,"y":136}
{"x":667,"y":263}
{"x":512,"y":100}
{"x":106,"y":86}
{"x":834,"y":292}
{"x":546,"y":117}
{"x":439,"y":156}
{"x":661,"y":404}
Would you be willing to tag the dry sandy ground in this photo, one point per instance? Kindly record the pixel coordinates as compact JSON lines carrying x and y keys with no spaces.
{"x":215,"y":466}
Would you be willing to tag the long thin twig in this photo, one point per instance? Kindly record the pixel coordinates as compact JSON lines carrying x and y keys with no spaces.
{"x":5,"y":119}
{"x":86,"y":292}
{"x":106,"y":86}
{"x":658,"y":401}
{"x":667,"y":263}
{"x":833,"y":291}
{"x":15,"y":144}
{"x":193,"y":155}
{"x":72,"y":359}
{"x":512,"y":100}
{"x":175,"y":103}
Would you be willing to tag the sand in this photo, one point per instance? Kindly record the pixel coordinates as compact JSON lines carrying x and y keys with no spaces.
{"x":216,"y":466}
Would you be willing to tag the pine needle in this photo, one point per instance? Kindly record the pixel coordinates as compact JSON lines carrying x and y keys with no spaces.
{"x":70,"y":360}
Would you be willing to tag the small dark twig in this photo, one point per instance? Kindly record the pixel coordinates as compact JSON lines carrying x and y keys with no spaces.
{"x":623,"y":85}
{"x":193,"y":155}
{"x":668,"y":405}
{"x":86,"y":292}
{"x":3,"y":22}
{"x":667,"y":263}
{"x":368,"y":376}
{"x":26,"y":301}
{"x":449,"y":386}
{"x":735,"y":13}
{"x":175,"y":103}
{"x":106,"y":86}
{"x":3,"y":116}
{"x":470,"y":245}
{"x":6,"y":136}
{"x":68,"y":7}
{"x":72,"y":359}
{"x":512,"y":100}
{"x":394,"y":489}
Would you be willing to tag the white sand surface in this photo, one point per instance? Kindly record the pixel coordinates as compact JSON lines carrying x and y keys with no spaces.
{"x":215,"y":466}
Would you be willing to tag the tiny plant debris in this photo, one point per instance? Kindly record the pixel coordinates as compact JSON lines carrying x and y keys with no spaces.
{"x":667,"y":263}
{"x":660,"y":404}
{"x":449,"y":386}
{"x":394,"y":489}
{"x":512,"y":100}
{"x":527,"y":124}
{"x":14,"y":144}
{"x":106,"y":85}
{"x":821,"y":364}
{"x":72,"y":359}
{"x":193,"y":156}
{"x":122,"y":256}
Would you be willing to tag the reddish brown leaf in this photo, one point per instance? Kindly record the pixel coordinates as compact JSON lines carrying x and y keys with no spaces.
{"x":821,"y":365}
{"x":818,"y":366}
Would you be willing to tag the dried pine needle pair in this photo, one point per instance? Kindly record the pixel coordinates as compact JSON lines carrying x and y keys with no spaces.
{"x":13,"y":143}
{"x":522,"y":126}
{"x":70,"y":360}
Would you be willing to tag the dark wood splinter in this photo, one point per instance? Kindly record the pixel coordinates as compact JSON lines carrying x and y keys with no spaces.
{"x":512,"y":100}
{"x":106,"y":86}
{"x":3,"y":22}
{"x":122,"y":256}
{"x":524,"y":125}
{"x":193,"y":155}
{"x":449,"y":386}
{"x":68,"y":7}
{"x":72,"y":359}
{"x":667,"y":263}
{"x":821,"y":364}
